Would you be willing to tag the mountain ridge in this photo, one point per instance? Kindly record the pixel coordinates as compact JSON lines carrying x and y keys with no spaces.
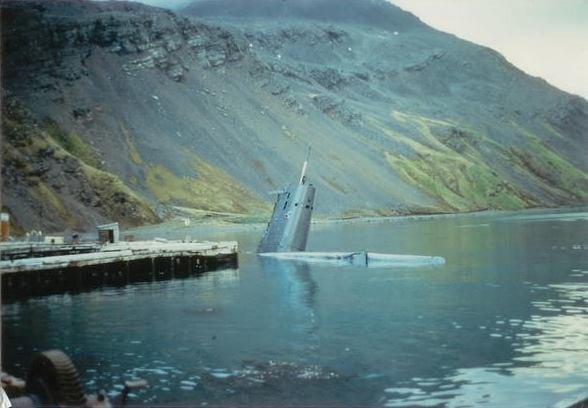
{"x":212,"y":112}
{"x":375,"y":13}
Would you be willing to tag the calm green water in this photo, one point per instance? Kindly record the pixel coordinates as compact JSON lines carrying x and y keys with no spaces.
{"x":504,"y":323}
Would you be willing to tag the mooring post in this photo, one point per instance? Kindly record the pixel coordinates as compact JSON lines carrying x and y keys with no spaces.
{"x":127,"y":272}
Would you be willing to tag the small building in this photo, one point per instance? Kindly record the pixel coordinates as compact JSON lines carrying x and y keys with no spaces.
{"x":108,"y":233}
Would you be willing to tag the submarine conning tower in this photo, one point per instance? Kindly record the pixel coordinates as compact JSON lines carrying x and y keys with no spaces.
{"x":289,"y":225}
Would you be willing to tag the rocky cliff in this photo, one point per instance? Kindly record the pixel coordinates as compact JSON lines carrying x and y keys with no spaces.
{"x":214,"y":107}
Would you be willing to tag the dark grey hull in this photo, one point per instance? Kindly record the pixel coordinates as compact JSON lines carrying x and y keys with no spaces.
{"x":288,"y":228}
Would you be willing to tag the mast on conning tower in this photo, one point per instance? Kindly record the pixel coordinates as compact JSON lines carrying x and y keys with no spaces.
{"x":304,"y":166}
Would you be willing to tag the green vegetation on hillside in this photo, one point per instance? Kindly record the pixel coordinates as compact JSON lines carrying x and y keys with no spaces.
{"x":211,"y":190}
{"x":558,"y":175}
{"x":133,"y":152}
{"x":52,"y":172}
{"x":72,"y":143}
{"x":449,"y":169}
{"x":457,"y":183}
{"x":120,"y":202}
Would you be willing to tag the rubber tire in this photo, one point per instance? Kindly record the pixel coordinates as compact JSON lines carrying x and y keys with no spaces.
{"x":54,"y":379}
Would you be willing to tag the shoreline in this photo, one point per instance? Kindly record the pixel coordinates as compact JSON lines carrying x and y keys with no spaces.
{"x":224,"y":222}
{"x":218,"y":224}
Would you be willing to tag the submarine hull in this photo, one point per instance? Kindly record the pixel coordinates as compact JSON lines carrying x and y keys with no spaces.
{"x":362,"y":258}
{"x":289,"y":226}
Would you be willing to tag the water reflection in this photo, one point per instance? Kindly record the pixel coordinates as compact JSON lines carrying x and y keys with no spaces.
{"x":299,"y":288}
{"x":296,"y":291}
{"x":546,"y":366}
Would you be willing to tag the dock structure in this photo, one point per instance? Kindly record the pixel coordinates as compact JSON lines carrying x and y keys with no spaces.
{"x":112,"y":264}
{"x":10,"y":251}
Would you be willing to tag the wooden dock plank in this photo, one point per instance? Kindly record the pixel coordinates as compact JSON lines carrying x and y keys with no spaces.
{"x":121,"y":252}
{"x":113,"y":265}
{"x":19,"y":250}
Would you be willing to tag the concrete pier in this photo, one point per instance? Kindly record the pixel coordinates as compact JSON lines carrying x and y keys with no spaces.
{"x":113,"y":265}
{"x":19,"y":250}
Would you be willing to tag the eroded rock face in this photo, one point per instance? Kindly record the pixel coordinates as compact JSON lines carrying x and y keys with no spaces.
{"x":45,"y":187}
{"x":49,"y":41}
{"x":570,"y":115}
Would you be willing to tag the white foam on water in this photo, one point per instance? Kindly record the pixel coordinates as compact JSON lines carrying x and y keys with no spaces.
{"x":405,"y":391}
{"x":373,"y":376}
{"x":221,"y":376}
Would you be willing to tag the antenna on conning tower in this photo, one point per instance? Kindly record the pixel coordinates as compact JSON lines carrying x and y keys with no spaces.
{"x":304,"y":166}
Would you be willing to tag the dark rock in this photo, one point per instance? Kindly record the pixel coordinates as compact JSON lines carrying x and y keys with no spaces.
{"x":80,"y":113}
{"x":336,"y":108}
{"x":59,"y":45}
{"x":458,"y":140}
{"x":329,"y":78}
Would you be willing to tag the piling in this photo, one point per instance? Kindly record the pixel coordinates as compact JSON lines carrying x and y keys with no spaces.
{"x":112,"y":265}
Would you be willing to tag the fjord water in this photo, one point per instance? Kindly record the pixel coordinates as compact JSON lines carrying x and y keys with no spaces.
{"x":503,"y":323}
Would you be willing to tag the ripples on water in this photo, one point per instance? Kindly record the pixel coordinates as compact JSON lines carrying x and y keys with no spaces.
{"x":550,"y":360}
{"x":503,"y":324}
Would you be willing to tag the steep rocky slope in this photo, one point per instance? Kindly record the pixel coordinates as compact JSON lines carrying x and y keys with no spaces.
{"x":214,"y":108}
{"x":52,"y":181}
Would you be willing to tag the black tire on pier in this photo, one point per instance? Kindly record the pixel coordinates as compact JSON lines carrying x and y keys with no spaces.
{"x":54,"y":379}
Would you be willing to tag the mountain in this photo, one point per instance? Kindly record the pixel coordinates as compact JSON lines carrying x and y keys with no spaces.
{"x":213,"y":108}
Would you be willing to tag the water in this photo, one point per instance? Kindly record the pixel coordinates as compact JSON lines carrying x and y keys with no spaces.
{"x":503,"y":323}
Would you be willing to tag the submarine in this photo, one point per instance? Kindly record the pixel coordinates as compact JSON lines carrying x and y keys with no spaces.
{"x":289,"y":225}
{"x":287,"y":233}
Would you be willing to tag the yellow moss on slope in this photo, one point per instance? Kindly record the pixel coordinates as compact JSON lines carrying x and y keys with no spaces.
{"x":554,"y":171}
{"x":211,"y":190}
{"x":42,"y":193}
{"x":72,"y":143}
{"x":133,"y":152}
{"x":459,"y":181}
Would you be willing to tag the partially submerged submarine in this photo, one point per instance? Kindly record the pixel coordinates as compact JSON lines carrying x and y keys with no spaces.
{"x":287,"y":232}
{"x":289,"y":225}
